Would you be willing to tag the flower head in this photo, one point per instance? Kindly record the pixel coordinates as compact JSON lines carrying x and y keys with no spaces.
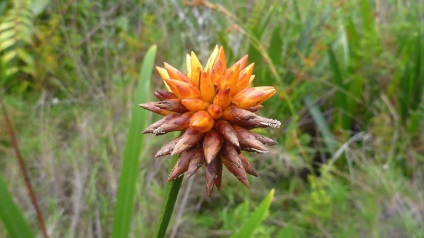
{"x":214,"y":108}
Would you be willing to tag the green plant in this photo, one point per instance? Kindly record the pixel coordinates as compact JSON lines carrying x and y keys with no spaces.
{"x":133,"y":148}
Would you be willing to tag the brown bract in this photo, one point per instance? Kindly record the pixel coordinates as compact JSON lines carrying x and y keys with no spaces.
{"x":215,"y":108}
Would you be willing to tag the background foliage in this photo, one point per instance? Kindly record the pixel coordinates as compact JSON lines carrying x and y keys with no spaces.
{"x":349,"y":75}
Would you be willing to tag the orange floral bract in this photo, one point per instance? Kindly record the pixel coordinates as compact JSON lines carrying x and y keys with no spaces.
{"x":214,"y":107}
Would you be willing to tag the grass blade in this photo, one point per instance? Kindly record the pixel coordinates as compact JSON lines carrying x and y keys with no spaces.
{"x":11,"y":216}
{"x":171,"y":194}
{"x":323,"y":127}
{"x":340,"y":98}
{"x":130,"y":165}
{"x":257,"y":217}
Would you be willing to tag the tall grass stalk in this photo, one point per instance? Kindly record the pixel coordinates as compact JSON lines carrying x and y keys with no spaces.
{"x":171,"y":194}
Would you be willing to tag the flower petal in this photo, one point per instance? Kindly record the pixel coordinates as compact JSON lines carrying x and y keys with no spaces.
{"x":153,"y":108}
{"x":176,"y":74}
{"x":182,"y":89}
{"x":182,"y":165}
{"x":164,"y":95}
{"x":196,"y":162}
{"x":201,"y":121}
{"x":212,"y":145}
{"x":215,"y":111}
{"x":195,"y":105}
{"x":207,"y":89}
{"x":233,"y":163}
{"x":189,"y":139}
{"x":231,"y":78}
{"x":247,"y":166}
{"x":242,"y":62}
{"x":173,"y":105}
{"x":188,"y":65}
{"x":179,"y":122}
{"x":211,"y":59}
{"x":265,"y":140}
{"x":248,"y":119}
{"x":244,"y":78}
{"x":196,"y":70}
{"x":157,"y":124}
{"x":167,"y":149}
{"x":164,"y":74}
{"x":248,"y":141}
{"x":251,"y":97}
{"x":227,"y":131}
{"x":213,"y":170}
{"x":223,"y":98}
{"x":219,"y":67}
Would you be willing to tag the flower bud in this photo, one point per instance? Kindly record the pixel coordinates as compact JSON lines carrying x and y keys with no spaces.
{"x":177,"y":123}
{"x":182,"y":165}
{"x":164,"y":95}
{"x":212,"y":145}
{"x":248,"y":141}
{"x":239,"y":172}
{"x":201,"y":121}
{"x":176,"y":74}
{"x":151,"y":106}
{"x":251,"y":97}
{"x":244,"y":79}
{"x":215,"y":111}
{"x":167,"y":149}
{"x":195,"y":104}
{"x":182,"y":89}
{"x":264,"y":140}
{"x":227,"y":131}
{"x":196,"y":162}
{"x":190,"y":138}
{"x":173,"y":105}
{"x":196,"y":70}
{"x":207,"y":89}
{"x":247,"y":166}
{"x":223,"y":98}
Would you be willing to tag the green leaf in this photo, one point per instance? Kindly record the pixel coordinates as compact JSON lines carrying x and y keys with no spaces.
{"x":276,"y":47}
{"x":38,"y":6}
{"x":11,"y":216}
{"x":6,"y":35}
{"x":323,"y":127}
{"x":257,"y":217}
{"x":26,"y":57}
{"x":6,"y":25}
{"x":340,"y":97}
{"x":6,"y":44}
{"x":3,"y":6}
{"x":135,"y":141}
{"x":367,"y":16}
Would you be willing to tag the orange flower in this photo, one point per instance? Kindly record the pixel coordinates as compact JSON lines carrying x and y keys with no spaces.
{"x":214,"y":107}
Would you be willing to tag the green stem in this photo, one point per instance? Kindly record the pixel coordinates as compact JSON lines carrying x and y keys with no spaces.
{"x":171,"y":194}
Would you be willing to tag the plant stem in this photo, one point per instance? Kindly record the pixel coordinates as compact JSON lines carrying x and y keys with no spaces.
{"x":171,"y":195}
{"x":24,"y":172}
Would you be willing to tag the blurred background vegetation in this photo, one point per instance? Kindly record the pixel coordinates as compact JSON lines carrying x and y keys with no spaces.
{"x":349,"y":76}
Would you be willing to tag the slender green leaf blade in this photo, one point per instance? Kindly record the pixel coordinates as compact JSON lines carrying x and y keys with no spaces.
{"x":130,"y":165}
{"x":323,"y":127}
{"x":11,"y":216}
{"x":340,"y":98}
{"x":257,"y":217}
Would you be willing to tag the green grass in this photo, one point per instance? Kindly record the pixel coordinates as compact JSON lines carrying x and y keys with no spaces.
{"x":350,"y":97}
{"x":133,"y":147}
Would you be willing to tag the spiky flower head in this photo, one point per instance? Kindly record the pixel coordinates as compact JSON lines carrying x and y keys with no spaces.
{"x":214,"y":108}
